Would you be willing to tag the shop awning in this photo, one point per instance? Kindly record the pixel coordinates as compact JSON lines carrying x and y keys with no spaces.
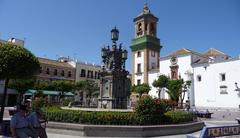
{"x":52,"y":93}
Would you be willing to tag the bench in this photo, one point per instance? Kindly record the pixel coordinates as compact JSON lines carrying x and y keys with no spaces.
{"x":218,"y":131}
{"x":238,"y":119}
{"x":203,"y":114}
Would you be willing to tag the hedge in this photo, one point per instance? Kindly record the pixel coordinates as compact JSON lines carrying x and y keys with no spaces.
{"x":113,"y":118}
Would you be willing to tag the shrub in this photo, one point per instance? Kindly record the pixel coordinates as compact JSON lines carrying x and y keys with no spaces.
{"x":151,"y":110}
{"x":39,"y":102}
{"x":113,"y":118}
{"x":179,"y":116}
{"x":67,"y":101}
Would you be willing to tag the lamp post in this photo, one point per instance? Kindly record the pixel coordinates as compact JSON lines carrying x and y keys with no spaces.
{"x":113,"y":74}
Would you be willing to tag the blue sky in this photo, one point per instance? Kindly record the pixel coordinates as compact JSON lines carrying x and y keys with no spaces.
{"x":80,"y":28}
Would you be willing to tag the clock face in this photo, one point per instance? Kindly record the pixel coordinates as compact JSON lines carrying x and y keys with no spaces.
{"x":173,"y":60}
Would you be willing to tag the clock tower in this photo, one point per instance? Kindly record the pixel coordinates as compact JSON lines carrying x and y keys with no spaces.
{"x":145,"y":47}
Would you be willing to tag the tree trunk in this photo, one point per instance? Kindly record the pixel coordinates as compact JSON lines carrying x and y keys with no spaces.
{"x":3,"y":100}
{"x":159,"y":93}
{"x":19,"y":98}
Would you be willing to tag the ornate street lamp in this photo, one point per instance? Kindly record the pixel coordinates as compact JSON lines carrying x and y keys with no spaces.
{"x":113,"y":92}
{"x":114,"y":34}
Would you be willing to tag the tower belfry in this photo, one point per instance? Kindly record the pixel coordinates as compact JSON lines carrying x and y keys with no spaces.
{"x":145,"y":46}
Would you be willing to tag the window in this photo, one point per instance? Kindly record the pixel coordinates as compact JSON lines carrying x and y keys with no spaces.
{"x":139,"y":68}
{"x":223,"y":89}
{"x":222,"y":76}
{"x":47,"y":71}
{"x":152,"y":27}
{"x":138,"y":82}
{"x":139,"y":31}
{"x":83,"y":73}
{"x":139,"y":54}
{"x":153,"y":53}
{"x":146,"y":27}
{"x":199,"y":78}
{"x":91,"y":74}
{"x":62,"y":73}
{"x":40,"y":71}
{"x":153,"y":65}
{"x":96,"y":74}
{"x":139,"y":27}
{"x":69,"y":74}
{"x":55,"y":72}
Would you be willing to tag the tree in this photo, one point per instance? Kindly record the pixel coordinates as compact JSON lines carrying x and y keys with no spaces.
{"x":90,"y":87}
{"x":79,"y":87}
{"x":177,"y":90}
{"x":15,"y":62}
{"x":45,"y":85}
{"x":63,"y":86}
{"x":133,"y":88}
{"x":21,"y":85}
{"x":185,"y":86}
{"x":160,"y":83}
{"x":174,"y":89}
{"x":142,"y":88}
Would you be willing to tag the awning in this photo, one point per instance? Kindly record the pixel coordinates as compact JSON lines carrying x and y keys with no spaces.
{"x":52,"y":93}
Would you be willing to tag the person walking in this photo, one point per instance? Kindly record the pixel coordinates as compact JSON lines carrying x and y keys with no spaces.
{"x":19,"y":125}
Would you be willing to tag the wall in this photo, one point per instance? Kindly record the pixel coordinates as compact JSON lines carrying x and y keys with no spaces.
{"x":138,"y":60}
{"x":153,"y":58}
{"x":207,"y":91}
{"x":184,"y":63}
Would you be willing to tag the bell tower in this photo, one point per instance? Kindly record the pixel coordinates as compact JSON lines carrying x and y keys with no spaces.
{"x":145,"y":47}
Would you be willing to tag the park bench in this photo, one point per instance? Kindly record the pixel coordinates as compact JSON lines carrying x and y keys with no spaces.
{"x":218,"y":131}
{"x":203,"y":114}
{"x":238,"y":119}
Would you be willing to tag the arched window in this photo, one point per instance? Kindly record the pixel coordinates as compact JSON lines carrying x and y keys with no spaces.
{"x":139,"y":27}
{"x":152,"y":27}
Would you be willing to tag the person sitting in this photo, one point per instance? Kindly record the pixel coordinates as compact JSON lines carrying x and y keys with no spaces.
{"x":35,"y":120}
{"x":19,"y":125}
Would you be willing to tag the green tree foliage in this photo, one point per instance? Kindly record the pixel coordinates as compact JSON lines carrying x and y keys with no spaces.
{"x":63,"y":86}
{"x":15,"y":62}
{"x":142,"y":88}
{"x":133,"y":88}
{"x":160,"y":83}
{"x":174,"y":89}
{"x":89,"y":87}
{"x":44,"y":85}
{"x":21,"y":85}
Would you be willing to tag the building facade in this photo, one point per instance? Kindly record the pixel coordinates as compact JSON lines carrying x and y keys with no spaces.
{"x":145,"y":47}
{"x":87,"y":71}
{"x":61,"y":69}
{"x":213,"y":74}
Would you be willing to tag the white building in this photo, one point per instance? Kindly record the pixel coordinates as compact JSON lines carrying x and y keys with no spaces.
{"x":213,"y":74}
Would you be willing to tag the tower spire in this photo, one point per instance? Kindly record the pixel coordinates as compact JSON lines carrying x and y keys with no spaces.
{"x":145,"y":9}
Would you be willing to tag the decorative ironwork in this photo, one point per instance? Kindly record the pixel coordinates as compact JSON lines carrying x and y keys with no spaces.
{"x":113,"y":92}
